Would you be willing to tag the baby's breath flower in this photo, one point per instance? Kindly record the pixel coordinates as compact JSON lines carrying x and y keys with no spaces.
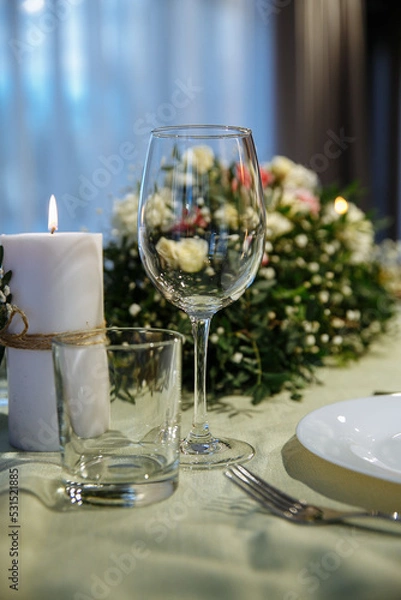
{"x":267,"y":273}
{"x":300,"y":261}
{"x":311,"y":326}
{"x":301,"y":240}
{"x":329,"y":248}
{"x":337,"y":298}
{"x":353,"y":315}
{"x":134,"y":309}
{"x":313,"y":267}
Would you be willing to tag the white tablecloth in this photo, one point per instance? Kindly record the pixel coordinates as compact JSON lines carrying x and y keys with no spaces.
{"x":209,"y":541}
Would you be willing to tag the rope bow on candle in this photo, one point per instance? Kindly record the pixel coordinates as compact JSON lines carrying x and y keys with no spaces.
{"x":6,"y":338}
{"x":34,"y":341}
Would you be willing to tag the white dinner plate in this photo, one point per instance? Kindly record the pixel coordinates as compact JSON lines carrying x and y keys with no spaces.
{"x":363,"y":435}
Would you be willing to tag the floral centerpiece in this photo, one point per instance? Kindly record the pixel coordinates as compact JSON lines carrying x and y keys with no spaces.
{"x":318,"y":295}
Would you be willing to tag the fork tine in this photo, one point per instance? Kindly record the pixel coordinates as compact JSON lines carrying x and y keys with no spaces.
{"x":283,"y":505}
{"x":264,"y":491}
{"x":252,"y":491}
{"x":268,"y":487}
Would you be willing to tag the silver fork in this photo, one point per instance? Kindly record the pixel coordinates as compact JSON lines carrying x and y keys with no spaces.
{"x":294,"y":510}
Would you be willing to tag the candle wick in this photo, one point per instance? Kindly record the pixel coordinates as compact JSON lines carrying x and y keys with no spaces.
{"x":53,"y":229}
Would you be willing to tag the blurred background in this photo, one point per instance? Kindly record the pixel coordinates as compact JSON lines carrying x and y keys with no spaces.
{"x":83,"y":82}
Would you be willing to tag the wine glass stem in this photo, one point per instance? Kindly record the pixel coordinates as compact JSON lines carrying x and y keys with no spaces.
{"x":200,"y":331}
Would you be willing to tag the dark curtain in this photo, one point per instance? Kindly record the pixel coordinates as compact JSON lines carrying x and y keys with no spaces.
{"x":383,"y":32}
{"x":338,"y":95}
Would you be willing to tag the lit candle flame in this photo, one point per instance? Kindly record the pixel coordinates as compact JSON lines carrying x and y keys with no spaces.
{"x":53,"y":215}
{"x":340,"y":205}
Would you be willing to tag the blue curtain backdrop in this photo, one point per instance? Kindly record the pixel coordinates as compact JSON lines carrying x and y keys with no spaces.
{"x":82,"y":83}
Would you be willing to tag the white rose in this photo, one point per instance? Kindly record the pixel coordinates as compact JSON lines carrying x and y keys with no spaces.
{"x":125,"y":217}
{"x":357,"y":233}
{"x":250,"y":219}
{"x":299,"y":177}
{"x":227,"y":214}
{"x":280,"y":166}
{"x":192,"y":254}
{"x":158,"y":211}
{"x":167,"y":250}
{"x":200,"y":158}
{"x":277,"y":225}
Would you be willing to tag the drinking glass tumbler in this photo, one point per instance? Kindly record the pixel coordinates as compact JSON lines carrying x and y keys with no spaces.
{"x":118,"y":397}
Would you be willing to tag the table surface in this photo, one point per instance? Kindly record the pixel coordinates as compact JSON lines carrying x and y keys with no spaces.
{"x":208,"y":540}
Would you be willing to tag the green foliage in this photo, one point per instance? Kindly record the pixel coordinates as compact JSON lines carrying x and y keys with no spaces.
{"x":319,"y":297}
{"x":5,"y":297}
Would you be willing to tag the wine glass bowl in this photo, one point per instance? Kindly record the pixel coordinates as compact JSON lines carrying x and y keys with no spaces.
{"x":201,"y":229}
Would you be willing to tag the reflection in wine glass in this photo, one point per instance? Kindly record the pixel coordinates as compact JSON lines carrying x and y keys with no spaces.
{"x":201,"y":235}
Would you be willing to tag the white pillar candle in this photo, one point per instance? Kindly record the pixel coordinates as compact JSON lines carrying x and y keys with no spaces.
{"x":57,"y":281}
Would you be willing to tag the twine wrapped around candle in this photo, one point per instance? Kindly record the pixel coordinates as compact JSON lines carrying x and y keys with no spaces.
{"x":34,"y":341}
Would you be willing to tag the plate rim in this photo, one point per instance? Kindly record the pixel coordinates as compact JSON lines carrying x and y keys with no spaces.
{"x":362,"y":466}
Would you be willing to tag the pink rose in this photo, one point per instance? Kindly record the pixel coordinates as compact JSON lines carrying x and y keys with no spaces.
{"x":312,"y":202}
{"x":266,"y":176}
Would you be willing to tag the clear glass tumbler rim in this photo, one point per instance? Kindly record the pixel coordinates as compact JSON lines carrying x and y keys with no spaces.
{"x":69,"y":339}
{"x":198,"y":131}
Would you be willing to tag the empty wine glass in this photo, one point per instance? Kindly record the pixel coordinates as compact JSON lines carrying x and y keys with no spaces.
{"x":201,"y":231}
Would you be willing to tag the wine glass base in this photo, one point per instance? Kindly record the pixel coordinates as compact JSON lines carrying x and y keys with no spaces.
{"x":223,"y":452}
